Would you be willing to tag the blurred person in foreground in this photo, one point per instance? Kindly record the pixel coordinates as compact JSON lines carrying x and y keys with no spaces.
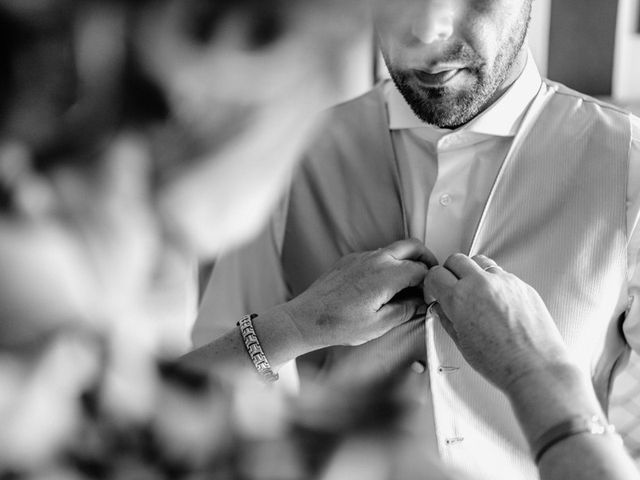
{"x":467,"y":149}
{"x":121,"y":124}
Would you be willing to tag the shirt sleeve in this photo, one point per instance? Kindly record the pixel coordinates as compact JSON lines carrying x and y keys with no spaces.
{"x":632,"y":323}
{"x":246,"y":280}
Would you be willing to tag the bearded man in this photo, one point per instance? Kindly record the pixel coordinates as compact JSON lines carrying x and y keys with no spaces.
{"x":469,"y":150}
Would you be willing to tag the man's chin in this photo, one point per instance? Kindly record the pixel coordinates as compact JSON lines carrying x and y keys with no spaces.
{"x":441,"y":108}
{"x":446,"y":119}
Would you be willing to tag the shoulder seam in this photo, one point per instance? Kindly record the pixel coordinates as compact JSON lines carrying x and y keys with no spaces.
{"x":561,"y":89}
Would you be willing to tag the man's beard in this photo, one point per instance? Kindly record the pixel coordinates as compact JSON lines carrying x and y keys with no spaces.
{"x":445,"y":107}
{"x":448,"y":107}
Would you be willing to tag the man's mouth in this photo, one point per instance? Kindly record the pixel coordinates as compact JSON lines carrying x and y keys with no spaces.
{"x":436,"y":77}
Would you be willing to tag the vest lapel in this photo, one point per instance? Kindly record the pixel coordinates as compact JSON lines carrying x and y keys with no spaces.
{"x":556,"y":218}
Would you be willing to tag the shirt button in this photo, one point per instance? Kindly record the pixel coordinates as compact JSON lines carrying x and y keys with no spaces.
{"x":445,"y":200}
{"x":418,"y":367}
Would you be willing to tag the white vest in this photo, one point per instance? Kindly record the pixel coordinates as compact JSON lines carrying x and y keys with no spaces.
{"x":556,"y":217}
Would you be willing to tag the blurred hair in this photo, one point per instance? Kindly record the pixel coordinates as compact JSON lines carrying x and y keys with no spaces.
{"x":64,"y":114}
{"x":49,"y":104}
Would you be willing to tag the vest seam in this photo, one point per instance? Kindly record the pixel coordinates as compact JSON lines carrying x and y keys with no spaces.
{"x":568,"y":92}
{"x":625,"y":201}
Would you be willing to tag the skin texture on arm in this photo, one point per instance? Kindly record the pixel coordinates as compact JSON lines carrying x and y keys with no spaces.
{"x":504,"y":330}
{"x":354,"y":302}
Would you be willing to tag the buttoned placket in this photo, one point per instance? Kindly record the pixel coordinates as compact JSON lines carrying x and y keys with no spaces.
{"x":455,"y":154}
{"x":446,"y":201}
{"x":454,"y":171}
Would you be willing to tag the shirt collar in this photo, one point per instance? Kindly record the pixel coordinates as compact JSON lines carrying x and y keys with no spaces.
{"x":502,"y":118}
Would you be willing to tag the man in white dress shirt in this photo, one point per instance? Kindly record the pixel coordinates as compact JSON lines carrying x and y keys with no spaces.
{"x":468,"y":150}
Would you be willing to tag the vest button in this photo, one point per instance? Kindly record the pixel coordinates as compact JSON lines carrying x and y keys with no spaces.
{"x":418,"y":367}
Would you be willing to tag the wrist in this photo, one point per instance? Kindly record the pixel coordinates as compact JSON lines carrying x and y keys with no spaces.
{"x":299,"y":319}
{"x":288,"y":319}
{"x":579,"y":425}
{"x":548,"y":374}
{"x":545,"y":396}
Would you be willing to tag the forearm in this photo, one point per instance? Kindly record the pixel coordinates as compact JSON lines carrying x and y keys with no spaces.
{"x":543,"y":399}
{"x":279,"y":338}
{"x":354,"y":302}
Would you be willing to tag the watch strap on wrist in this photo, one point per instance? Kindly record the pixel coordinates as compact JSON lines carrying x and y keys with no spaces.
{"x":592,"y":425}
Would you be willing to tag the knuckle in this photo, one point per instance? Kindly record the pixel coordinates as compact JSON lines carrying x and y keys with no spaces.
{"x":481,"y":260}
{"x":489,"y":287}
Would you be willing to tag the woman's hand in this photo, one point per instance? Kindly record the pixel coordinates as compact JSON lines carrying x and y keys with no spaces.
{"x":357,"y":300}
{"x":499,"y":323}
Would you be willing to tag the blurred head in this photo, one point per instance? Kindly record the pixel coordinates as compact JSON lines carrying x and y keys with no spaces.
{"x":451,"y":58}
{"x":131,"y":128}
{"x":249,"y":98}
{"x":222,"y":92}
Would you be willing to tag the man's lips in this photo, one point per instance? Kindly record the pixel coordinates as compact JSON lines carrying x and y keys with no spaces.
{"x":437,"y":77}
